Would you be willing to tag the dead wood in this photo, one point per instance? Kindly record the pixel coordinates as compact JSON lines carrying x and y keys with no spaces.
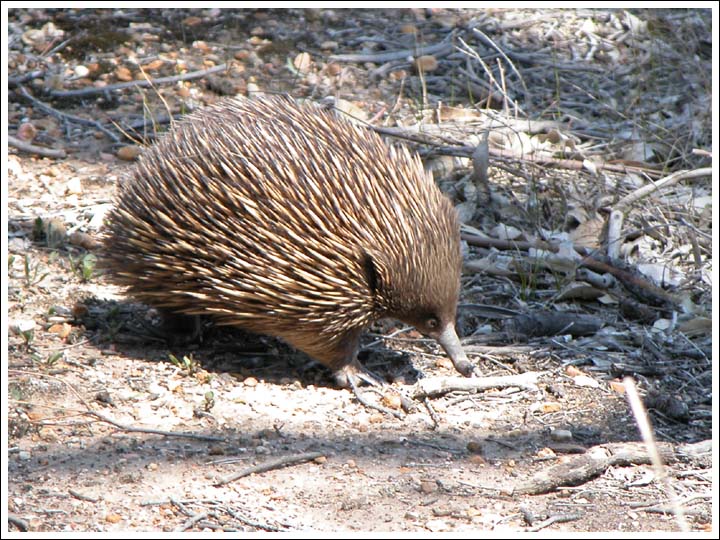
{"x":581,"y":469}
{"x":285,"y":461}
{"x":140,"y":83}
{"x":548,"y":323}
{"x":34,"y":149}
{"x":438,"y":386}
{"x":439,"y":49}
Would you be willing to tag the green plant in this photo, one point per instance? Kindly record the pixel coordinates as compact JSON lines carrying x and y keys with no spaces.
{"x":188,"y":364}
{"x":28,"y":337}
{"x":32,"y":272}
{"x":528,"y":276}
{"x":84,"y":267}
{"x":48,"y":361}
{"x":209,"y":401}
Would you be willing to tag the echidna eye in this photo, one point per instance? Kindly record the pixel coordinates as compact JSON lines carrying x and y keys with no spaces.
{"x":432,"y":323}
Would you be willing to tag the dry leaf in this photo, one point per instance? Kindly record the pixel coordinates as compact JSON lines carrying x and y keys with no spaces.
{"x":550,"y":407}
{"x":61,"y":329}
{"x":302,"y":62}
{"x":391,"y":401}
{"x":35,"y":416}
{"x":154,"y":65}
{"x":426,"y":63}
{"x":73,"y":186}
{"x":123,"y":74}
{"x":129,"y":153}
{"x":26,"y":131}
{"x":572,"y":371}
{"x":697,"y":326}
{"x":581,"y":291}
{"x":584,"y":380}
{"x":545,"y":453}
{"x":506,"y":232}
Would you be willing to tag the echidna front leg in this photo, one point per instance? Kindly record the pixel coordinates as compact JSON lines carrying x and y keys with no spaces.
{"x":350,"y":376}
{"x":341,"y":357}
{"x":355,"y":372}
{"x":177,"y":328}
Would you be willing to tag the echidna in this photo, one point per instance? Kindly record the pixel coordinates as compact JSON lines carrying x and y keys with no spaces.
{"x":283,"y":219}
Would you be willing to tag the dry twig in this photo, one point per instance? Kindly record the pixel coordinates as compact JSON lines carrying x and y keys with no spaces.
{"x":141,"y":83}
{"x":437,"y":386}
{"x":279,"y":463}
{"x":14,"y":142}
{"x":65,"y":116}
{"x":133,"y":429}
{"x":646,"y":431}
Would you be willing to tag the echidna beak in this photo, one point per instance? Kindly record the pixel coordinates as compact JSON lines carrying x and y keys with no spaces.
{"x":449,"y":341}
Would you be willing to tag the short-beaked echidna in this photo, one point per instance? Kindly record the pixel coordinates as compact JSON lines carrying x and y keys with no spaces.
{"x":283,"y":219}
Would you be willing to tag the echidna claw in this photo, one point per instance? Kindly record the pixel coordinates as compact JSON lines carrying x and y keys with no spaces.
{"x":371,"y":405}
{"x":351,"y":375}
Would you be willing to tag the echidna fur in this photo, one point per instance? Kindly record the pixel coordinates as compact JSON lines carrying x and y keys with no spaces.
{"x":283,"y":219}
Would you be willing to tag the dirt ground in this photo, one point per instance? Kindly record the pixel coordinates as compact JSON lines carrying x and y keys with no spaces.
{"x":109,"y":428}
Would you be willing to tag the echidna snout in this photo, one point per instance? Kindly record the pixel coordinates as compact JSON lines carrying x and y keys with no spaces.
{"x":284,"y":220}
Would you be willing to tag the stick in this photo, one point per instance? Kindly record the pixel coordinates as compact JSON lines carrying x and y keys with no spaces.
{"x":550,"y":323}
{"x":269,"y":466}
{"x":510,"y":244}
{"x":251,"y":523}
{"x":578,"y":470}
{"x":33,"y":149}
{"x":439,"y":49}
{"x":557,"y":518}
{"x":628,"y":279}
{"x":65,"y":116}
{"x":18,"y":522}
{"x":669,"y":180}
{"x":133,"y":429}
{"x":643,"y":423}
{"x":84,"y":92}
{"x":82,"y":496}
{"x":617,"y":215}
{"x":14,"y":81}
{"x":191,"y":521}
{"x":437,"y":386}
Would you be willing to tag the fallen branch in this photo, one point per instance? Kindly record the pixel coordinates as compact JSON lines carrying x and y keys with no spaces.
{"x":14,"y":81}
{"x":82,"y":496}
{"x":650,"y":292}
{"x":437,"y":386}
{"x":439,"y":49}
{"x":669,"y":180}
{"x":594,"y":462}
{"x":285,"y":461}
{"x":133,"y":429}
{"x":617,"y":216}
{"x":250,"y":522}
{"x":643,"y":423}
{"x":557,"y":518}
{"x":20,"y":523}
{"x":141,"y":83}
{"x":65,"y":116}
{"x":549,"y":323}
{"x":192,"y":520}
{"x":33,"y":149}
